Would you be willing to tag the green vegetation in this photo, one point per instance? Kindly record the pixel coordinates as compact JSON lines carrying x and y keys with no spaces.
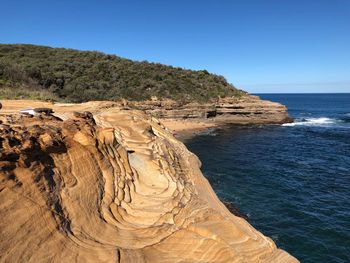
{"x":38,"y":72}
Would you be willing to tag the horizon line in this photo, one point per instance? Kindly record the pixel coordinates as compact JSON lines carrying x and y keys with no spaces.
{"x":299,"y":92}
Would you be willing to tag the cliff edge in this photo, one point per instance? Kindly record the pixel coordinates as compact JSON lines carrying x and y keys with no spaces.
{"x":246,"y":109}
{"x":112,"y":187}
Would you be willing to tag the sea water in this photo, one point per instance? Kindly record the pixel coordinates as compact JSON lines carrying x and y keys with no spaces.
{"x":291,"y":180}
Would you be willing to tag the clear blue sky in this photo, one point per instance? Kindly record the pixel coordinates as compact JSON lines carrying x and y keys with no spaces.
{"x":258,"y":45}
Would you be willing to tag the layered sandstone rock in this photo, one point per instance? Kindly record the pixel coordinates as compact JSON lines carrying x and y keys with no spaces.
{"x":247,"y":109}
{"x":113,"y":187}
{"x":251,"y":110}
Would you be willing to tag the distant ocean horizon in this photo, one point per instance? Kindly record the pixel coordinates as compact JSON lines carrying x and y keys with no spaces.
{"x":298,"y":93}
{"x":291,"y":180}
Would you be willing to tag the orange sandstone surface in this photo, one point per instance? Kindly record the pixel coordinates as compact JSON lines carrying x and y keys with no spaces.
{"x":111,"y":186}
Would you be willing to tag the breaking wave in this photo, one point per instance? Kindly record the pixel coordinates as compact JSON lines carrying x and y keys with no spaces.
{"x":323,"y":121}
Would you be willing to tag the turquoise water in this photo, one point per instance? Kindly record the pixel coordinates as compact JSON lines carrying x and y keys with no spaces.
{"x":292,"y":181}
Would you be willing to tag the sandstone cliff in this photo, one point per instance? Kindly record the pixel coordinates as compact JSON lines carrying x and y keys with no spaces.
{"x":113,"y":187}
{"x":247,"y":109}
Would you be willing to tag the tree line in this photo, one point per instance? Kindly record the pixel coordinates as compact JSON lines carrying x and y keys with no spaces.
{"x":30,"y":71}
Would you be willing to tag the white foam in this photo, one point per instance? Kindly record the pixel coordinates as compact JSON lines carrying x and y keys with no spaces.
{"x":209,"y":132}
{"x":323,"y":121}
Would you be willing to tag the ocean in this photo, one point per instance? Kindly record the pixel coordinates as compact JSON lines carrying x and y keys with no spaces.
{"x":291,"y":180}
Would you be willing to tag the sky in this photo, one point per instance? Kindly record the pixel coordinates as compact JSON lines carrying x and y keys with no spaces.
{"x":262,"y":46}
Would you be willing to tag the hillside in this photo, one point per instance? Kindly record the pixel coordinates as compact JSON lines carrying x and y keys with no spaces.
{"x":39,"y":72}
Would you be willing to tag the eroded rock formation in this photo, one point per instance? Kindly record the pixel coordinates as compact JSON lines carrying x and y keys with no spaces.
{"x":244,"y":110}
{"x":113,"y":187}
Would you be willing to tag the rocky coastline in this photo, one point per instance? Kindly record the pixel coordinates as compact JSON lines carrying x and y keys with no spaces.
{"x":247,"y":109}
{"x":188,"y":119}
{"x":111,"y":186}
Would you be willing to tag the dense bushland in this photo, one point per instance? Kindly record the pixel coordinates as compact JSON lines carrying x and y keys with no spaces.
{"x":38,"y":72}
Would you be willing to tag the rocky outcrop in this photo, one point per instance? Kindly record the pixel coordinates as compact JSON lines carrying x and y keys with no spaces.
{"x":113,"y":187}
{"x":243,"y":110}
{"x":251,"y":110}
{"x":246,"y":109}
